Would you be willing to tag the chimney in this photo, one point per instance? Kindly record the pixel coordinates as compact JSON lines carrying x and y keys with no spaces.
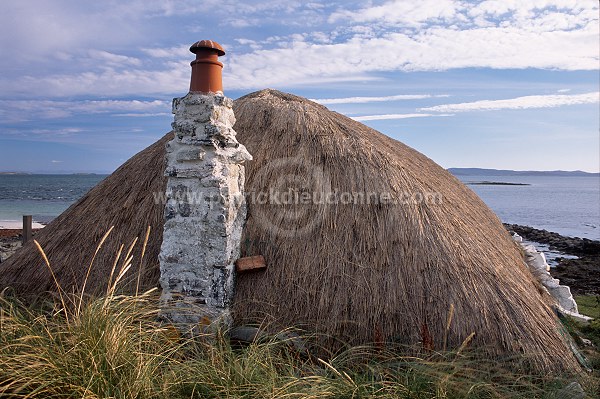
{"x":205,"y":209}
{"x":206,"y":68}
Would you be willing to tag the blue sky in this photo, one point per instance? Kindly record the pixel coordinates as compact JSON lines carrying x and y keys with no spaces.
{"x":508,"y":84}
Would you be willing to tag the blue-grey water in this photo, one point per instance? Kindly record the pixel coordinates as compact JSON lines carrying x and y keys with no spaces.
{"x":566,"y":205}
{"x":43,"y":196}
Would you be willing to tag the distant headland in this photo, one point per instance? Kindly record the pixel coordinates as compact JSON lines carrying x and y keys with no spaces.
{"x":496,"y":183}
{"x":504,"y":172}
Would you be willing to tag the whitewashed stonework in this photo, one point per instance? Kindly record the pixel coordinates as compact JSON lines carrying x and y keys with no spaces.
{"x":204,"y":213}
{"x":536,"y":261}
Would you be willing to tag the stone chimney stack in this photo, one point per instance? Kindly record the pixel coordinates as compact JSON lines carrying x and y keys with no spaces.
{"x":205,"y":209}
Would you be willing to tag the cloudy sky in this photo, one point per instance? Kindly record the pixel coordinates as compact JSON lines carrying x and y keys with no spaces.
{"x":510,"y":84}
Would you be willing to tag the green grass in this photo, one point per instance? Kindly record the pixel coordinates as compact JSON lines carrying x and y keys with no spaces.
{"x":589,"y":305}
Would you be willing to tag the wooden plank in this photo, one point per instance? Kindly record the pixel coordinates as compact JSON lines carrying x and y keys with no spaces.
{"x":27,"y":228}
{"x":250,"y":263}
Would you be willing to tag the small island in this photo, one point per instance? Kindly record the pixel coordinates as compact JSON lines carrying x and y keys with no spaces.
{"x":496,"y":183}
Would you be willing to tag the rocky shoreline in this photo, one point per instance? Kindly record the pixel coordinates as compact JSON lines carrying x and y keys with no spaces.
{"x":10,"y":241}
{"x":582,"y":275}
{"x":8,"y":246}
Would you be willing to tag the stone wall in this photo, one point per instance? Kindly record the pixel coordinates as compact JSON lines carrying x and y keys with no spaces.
{"x":205,"y":211}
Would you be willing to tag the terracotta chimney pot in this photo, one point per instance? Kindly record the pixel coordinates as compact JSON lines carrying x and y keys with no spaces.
{"x":206,"y":68}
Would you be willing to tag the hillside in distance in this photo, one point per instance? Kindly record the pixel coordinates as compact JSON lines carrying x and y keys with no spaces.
{"x":504,"y":172}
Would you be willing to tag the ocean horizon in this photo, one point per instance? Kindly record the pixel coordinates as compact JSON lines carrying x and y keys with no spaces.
{"x":565,"y":204}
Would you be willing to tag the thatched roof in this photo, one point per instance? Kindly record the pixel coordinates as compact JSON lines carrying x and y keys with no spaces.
{"x":386,"y":271}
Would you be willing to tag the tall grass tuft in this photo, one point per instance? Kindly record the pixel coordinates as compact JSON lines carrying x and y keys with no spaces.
{"x":115,"y":346}
{"x":110,"y":348}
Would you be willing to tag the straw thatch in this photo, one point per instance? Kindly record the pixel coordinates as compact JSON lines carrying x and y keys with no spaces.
{"x":390,"y":270}
{"x":366,"y":273}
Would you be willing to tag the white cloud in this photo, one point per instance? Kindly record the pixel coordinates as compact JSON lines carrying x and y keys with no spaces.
{"x":18,"y":110}
{"x":50,"y":133}
{"x":143,"y":115}
{"x":394,"y":116}
{"x":321,"y":37}
{"x":30,"y":30}
{"x":434,"y":49}
{"x":499,"y":7}
{"x":114,"y":59}
{"x":172,"y":77}
{"x":530,"y":14}
{"x":299,"y":61}
{"x":252,"y":44}
{"x":362,"y":100}
{"x":544,"y":34}
{"x":405,"y":12}
{"x":525,"y":102}
{"x":120,"y":105}
{"x":242,"y":22}
{"x":176,"y":52}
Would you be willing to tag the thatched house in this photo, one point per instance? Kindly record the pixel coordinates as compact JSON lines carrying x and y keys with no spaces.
{"x":395,"y":244}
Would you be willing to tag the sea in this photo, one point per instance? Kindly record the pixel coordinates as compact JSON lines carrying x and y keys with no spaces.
{"x":42,"y":196}
{"x":568,"y":205}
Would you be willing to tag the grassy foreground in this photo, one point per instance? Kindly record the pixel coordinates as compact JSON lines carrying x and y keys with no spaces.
{"x":115,"y":347}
